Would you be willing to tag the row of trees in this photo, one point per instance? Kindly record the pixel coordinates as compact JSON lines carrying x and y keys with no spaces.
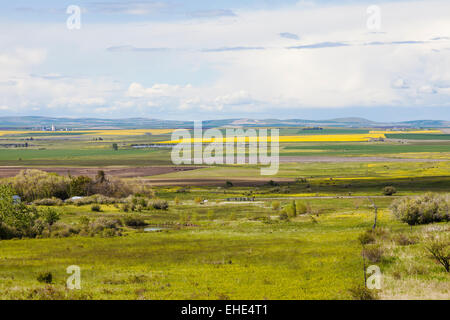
{"x":33,"y":184}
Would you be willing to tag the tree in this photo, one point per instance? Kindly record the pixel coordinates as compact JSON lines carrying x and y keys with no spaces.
{"x":101,"y":176}
{"x":389,"y":191}
{"x":79,"y":186}
{"x":115,"y":147}
{"x":18,"y":217}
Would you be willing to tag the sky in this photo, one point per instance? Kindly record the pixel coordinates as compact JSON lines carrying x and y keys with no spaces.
{"x":199,"y":59}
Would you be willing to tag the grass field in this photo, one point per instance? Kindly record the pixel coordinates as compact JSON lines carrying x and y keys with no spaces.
{"x":228,"y":249}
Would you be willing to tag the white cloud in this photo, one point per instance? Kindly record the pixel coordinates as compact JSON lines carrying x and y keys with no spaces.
{"x":427,"y":89}
{"x":332,"y":67}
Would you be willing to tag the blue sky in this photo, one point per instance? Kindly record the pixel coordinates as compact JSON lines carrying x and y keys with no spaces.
{"x":227,"y":59}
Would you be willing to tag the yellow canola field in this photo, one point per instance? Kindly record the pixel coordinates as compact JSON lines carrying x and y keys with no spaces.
{"x":393,"y":132}
{"x":134,"y":132}
{"x":305,"y":138}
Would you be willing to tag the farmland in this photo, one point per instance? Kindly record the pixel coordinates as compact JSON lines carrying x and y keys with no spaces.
{"x":228,"y":232}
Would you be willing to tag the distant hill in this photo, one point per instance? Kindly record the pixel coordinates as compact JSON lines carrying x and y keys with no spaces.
{"x":37,"y":123}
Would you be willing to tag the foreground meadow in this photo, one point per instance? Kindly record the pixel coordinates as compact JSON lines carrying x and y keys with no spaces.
{"x":223,"y":250}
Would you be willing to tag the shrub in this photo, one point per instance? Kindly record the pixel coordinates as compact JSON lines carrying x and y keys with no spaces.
{"x":95,"y":199}
{"x":363,"y":293}
{"x":8,"y":232}
{"x":183,"y":190}
{"x":301,"y":207}
{"x":439,"y":248}
{"x":374,"y":253}
{"x":366,"y":237}
{"x":284,"y":216}
{"x":96,"y":208}
{"x":160,"y":205}
{"x":48,"y":202}
{"x":424,"y":209}
{"x":389,"y":191}
{"x":276,"y":205}
{"x":100,"y":224}
{"x":404,"y":240}
{"x":132,"y":221}
{"x":50,"y":215}
{"x":228,"y":184}
{"x":272,"y":183}
{"x":291,"y":210}
{"x":198,"y":200}
{"x":63,"y":230}
{"x":45,"y":277}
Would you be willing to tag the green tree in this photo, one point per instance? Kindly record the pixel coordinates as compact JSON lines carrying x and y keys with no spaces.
{"x":16,"y":215}
{"x":115,"y":146}
{"x":79,"y":186}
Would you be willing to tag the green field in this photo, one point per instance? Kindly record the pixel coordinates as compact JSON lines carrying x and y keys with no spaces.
{"x":229,"y":249}
{"x":418,"y":136}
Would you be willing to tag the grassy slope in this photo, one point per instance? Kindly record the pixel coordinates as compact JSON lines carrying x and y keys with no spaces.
{"x":224,"y":258}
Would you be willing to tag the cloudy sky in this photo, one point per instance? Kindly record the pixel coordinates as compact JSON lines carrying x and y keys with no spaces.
{"x":383,"y":60}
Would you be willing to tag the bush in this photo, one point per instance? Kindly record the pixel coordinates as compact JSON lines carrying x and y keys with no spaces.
{"x":62,"y":230}
{"x":301,"y":207}
{"x":374,"y":253}
{"x":96,"y":208}
{"x":132,"y":221}
{"x":363,"y":293}
{"x":101,"y":224}
{"x":95,"y":199}
{"x":291,"y":210}
{"x":367,"y":237}
{"x":160,"y":205}
{"x":45,"y":277}
{"x":404,"y":240}
{"x":8,"y":232}
{"x":439,"y":248}
{"x":50,"y":216}
{"x":276,"y":205}
{"x":428,"y":208}
{"x":198,"y":200}
{"x":48,"y":202}
{"x":389,"y":191}
{"x":284,"y":216}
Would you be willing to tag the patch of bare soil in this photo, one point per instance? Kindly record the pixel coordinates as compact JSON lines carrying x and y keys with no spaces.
{"x":110,"y":171}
